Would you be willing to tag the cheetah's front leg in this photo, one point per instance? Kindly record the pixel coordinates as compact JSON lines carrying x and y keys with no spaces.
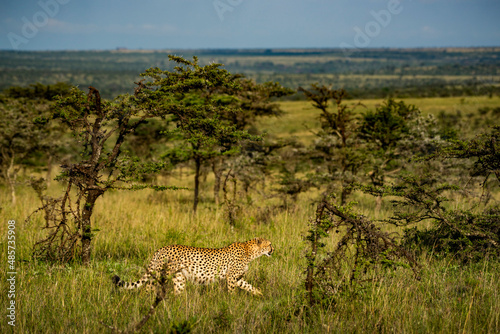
{"x":235,"y":279}
{"x":248,"y":287}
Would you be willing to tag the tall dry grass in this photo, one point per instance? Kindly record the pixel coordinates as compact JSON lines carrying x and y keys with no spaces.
{"x":74,"y":299}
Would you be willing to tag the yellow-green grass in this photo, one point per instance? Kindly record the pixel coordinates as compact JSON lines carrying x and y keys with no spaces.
{"x":469,"y":104}
{"x":301,"y":119}
{"x":73,"y":298}
{"x":449,"y":298}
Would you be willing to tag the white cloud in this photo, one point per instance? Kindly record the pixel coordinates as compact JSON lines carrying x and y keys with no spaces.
{"x":158,"y":29}
{"x":70,"y":28}
{"x":428,"y":30}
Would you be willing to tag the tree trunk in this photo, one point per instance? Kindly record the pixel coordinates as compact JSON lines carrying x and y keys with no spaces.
{"x":11,"y":179}
{"x":12,"y":187}
{"x":196,"y":182}
{"x":343,"y":195}
{"x":49,"y":170}
{"x":216,"y":168}
{"x":86,"y":227}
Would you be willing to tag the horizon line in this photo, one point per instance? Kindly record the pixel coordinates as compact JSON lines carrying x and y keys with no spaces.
{"x":261,"y":49}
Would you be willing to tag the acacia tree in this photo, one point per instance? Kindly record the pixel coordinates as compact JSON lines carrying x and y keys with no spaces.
{"x":466,"y":234}
{"x":337,"y":149}
{"x":203,"y":104}
{"x":100,"y":127}
{"x":383,"y":130}
{"x":362,"y":245}
{"x":253,"y":101}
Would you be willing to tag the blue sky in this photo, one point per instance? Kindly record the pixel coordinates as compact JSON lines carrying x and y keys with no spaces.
{"x":174,"y":24}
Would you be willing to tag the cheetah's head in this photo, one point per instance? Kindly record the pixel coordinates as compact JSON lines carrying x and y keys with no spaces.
{"x":261,"y":246}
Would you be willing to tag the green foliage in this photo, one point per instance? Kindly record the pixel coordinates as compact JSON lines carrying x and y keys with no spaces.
{"x":461,"y":233}
{"x":223,"y":319}
{"x":384,"y":131}
{"x":100,"y":128}
{"x":340,"y":122}
{"x":385,"y":126}
{"x":469,"y":237}
{"x":149,"y":140}
{"x":21,"y":137}
{"x":39,"y":91}
{"x":337,"y":150}
{"x":483,"y":149}
{"x":129,"y":168}
{"x":252,"y":101}
{"x":415,"y":198}
{"x":19,"y":134}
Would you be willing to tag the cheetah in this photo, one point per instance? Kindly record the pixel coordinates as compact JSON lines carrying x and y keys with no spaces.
{"x":204,"y":265}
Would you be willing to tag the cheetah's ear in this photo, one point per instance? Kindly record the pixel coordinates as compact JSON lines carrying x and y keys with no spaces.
{"x":258,"y":240}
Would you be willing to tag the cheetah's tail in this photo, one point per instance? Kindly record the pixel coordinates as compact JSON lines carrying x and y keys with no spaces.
{"x":130,"y":285}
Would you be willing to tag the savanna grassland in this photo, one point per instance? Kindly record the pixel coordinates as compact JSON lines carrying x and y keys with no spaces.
{"x":449,"y":297}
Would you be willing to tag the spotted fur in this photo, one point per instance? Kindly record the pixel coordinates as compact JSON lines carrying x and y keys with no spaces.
{"x":204,"y":265}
